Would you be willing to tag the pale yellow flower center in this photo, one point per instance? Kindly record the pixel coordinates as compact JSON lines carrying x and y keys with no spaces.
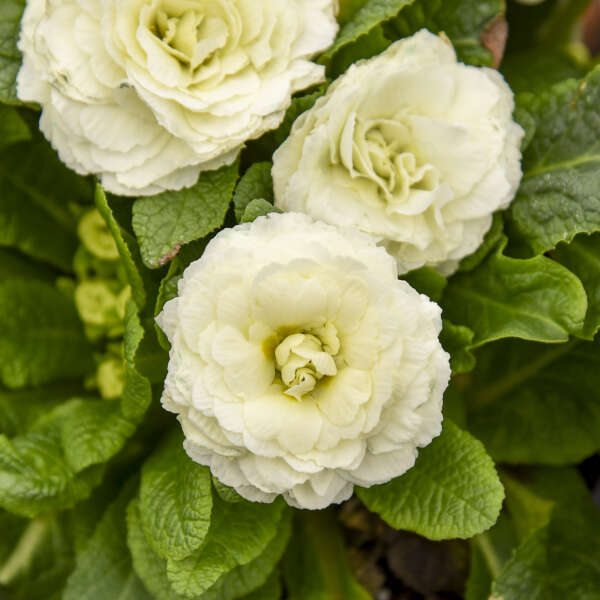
{"x":302,"y":359}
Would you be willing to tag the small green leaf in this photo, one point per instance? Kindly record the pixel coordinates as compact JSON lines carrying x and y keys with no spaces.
{"x":427,"y":281}
{"x":316,"y":565}
{"x":491,"y":240}
{"x":42,"y":338}
{"x":104,"y":569}
{"x":10,"y":57}
{"x":258,"y":208}
{"x":453,"y":491}
{"x":165,"y":222}
{"x":175,"y":500}
{"x":457,"y":340}
{"x":12,"y":127}
{"x":533,"y":299}
{"x":255,"y":183}
{"x":558,"y":197}
{"x":536,"y":404}
{"x":582,"y":257}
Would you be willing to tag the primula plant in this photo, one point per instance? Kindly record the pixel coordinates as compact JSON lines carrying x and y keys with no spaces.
{"x":298,"y":299}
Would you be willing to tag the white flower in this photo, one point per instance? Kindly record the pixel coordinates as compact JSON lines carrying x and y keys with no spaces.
{"x":148,"y":93}
{"x":411,"y":147}
{"x":300,"y":365}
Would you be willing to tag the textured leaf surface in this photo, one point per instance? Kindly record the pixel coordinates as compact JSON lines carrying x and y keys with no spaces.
{"x":534,"y":299}
{"x":163,"y":223}
{"x":255,"y":183}
{"x":10,"y":57}
{"x":558,"y":197}
{"x":175,"y":500}
{"x":316,"y":564}
{"x":104,"y":569}
{"x":537,"y":404}
{"x":453,"y":491}
{"x":34,"y":191}
{"x":582,"y":257}
{"x":42,"y":338}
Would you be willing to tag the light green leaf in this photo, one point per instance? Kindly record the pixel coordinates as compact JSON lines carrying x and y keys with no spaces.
{"x":104,"y":569}
{"x":537,"y":404}
{"x":453,"y":491}
{"x":175,"y":500}
{"x":34,"y":192}
{"x":258,"y":208}
{"x":165,"y":222}
{"x":42,"y":338}
{"x":582,"y":257}
{"x":456,"y":340}
{"x":238,"y":534}
{"x":12,"y":127}
{"x":558,"y":197}
{"x":255,"y":183}
{"x":534,"y":299}
{"x":463,"y":21}
{"x":10,"y":57}
{"x":316,"y":565}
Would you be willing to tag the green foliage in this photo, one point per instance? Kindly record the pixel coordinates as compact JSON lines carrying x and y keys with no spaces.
{"x":42,"y":338}
{"x":13,"y":128}
{"x":315,"y":565}
{"x":256,"y":183}
{"x":10,"y":57}
{"x":558,"y":197}
{"x":456,"y":341}
{"x":427,"y":281}
{"x":533,"y":299}
{"x":175,"y":500}
{"x":163,"y":223}
{"x":258,"y":208}
{"x":453,"y":491}
{"x":537,"y":404}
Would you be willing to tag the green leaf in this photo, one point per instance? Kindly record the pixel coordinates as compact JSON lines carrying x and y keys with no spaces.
{"x":12,"y":127}
{"x":427,"y":281}
{"x":124,"y":245}
{"x":14,"y":265}
{"x":463,"y":21}
{"x":175,"y":500}
{"x":491,"y":240}
{"x":255,"y":183}
{"x":582,"y":257}
{"x":558,"y":197}
{"x":238,"y":534}
{"x":533,"y":299}
{"x":453,"y":491}
{"x":537,"y":404}
{"x":561,"y":560}
{"x":456,"y":340}
{"x":258,"y":208}
{"x":316,"y":565}
{"x":42,"y":338}
{"x":35,"y":188}
{"x":163,"y":223}
{"x":12,"y":528}
{"x":104,"y":569}
{"x":10,"y":57}
{"x":269,"y":591}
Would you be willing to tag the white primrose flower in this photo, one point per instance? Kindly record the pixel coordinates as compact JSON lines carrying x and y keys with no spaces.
{"x":300,"y":365}
{"x":148,"y":93}
{"x":409,"y":146}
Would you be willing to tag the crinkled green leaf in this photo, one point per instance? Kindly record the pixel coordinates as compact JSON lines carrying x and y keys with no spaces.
{"x":427,"y":281}
{"x":10,"y":57}
{"x":104,"y":569}
{"x":316,"y":564}
{"x":537,"y":404}
{"x":165,"y":222}
{"x":453,"y":491}
{"x":12,"y":126}
{"x":456,"y":340}
{"x":258,"y":208}
{"x":175,"y":500}
{"x":238,"y":534}
{"x":232,"y":585}
{"x":42,"y":337}
{"x":582,"y":257}
{"x":558,"y":197}
{"x":534,"y":299}
{"x":226,"y":493}
{"x":255,"y":183}
{"x":35,"y":189}
{"x":463,"y":21}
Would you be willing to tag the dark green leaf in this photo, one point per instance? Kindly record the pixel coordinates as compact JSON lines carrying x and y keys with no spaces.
{"x":456,"y":340}
{"x":427,"y":281}
{"x":10,"y":57}
{"x":255,"y":183}
{"x":12,"y":126}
